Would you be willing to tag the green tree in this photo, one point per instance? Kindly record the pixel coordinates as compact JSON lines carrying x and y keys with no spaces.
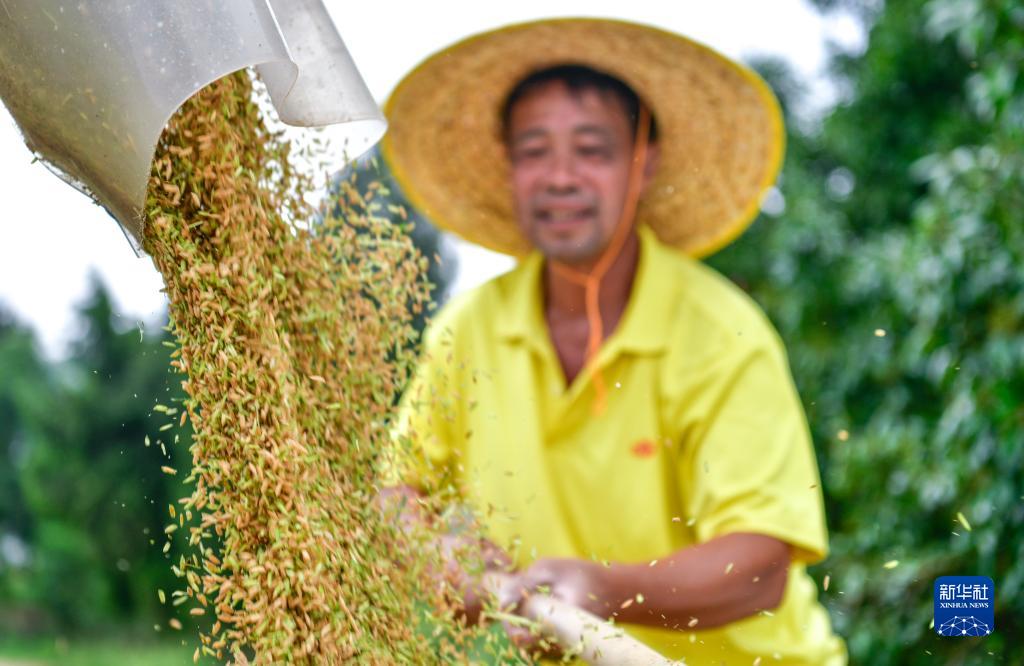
{"x":894,"y":277}
{"x":86,"y":495}
{"x":24,"y":389}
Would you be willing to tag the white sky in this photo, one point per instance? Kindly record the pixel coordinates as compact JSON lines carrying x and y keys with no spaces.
{"x":52,"y":237}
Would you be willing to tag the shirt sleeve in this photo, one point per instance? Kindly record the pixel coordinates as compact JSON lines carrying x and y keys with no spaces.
{"x":747,"y":463}
{"x":420,"y":452}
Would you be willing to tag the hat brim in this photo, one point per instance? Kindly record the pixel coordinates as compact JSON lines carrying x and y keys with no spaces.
{"x":720,"y":129}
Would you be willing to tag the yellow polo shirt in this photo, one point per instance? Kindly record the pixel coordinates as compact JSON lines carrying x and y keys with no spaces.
{"x":703,"y":434}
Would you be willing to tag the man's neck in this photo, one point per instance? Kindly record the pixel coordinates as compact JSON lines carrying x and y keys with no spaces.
{"x":565,"y":298}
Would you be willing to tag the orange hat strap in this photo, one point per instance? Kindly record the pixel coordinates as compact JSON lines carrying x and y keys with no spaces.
{"x":591,"y":281}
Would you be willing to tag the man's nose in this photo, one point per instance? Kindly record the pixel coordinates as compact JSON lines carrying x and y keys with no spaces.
{"x":562,"y":173}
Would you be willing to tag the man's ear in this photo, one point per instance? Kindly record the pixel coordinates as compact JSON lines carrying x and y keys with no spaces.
{"x":651,"y":165}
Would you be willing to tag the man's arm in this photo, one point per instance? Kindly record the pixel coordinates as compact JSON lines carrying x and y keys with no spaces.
{"x":711,"y":584}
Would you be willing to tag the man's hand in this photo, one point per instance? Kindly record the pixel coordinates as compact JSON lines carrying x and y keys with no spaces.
{"x":464,"y":560}
{"x":459,"y":558}
{"x":574,"y":581}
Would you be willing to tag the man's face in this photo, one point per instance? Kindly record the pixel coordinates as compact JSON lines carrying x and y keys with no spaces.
{"x":570,"y":157}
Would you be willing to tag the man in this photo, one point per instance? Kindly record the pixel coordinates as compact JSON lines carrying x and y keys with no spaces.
{"x":621,"y":418}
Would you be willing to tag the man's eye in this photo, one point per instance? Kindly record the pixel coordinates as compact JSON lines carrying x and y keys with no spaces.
{"x":593,"y":151}
{"x":529,"y":152}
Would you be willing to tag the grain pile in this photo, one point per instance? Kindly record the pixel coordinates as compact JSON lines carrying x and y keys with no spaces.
{"x":293,"y":338}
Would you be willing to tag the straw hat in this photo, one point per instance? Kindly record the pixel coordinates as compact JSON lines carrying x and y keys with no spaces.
{"x":719,"y":129}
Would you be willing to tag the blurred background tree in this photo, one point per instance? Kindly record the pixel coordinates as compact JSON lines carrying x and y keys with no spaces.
{"x":894,"y":269}
{"x":83,"y":500}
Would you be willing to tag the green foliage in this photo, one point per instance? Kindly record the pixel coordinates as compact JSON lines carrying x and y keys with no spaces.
{"x":83,"y":498}
{"x":23,"y":391}
{"x":895,"y":278}
{"x":92,"y":652}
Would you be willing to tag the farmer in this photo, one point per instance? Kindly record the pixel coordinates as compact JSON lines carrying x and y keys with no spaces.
{"x":620,"y":417}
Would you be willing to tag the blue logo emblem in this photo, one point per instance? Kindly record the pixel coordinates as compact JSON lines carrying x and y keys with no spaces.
{"x":964,"y":606}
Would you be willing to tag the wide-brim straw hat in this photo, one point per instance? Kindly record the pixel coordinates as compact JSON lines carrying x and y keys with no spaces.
{"x":720,"y":130}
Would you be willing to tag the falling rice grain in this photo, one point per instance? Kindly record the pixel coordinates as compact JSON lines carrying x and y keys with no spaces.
{"x":294,"y":335}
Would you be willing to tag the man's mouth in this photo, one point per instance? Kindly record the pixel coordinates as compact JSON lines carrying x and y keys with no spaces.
{"x":563,"y":218}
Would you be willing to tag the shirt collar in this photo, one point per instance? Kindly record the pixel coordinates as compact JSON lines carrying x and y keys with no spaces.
{"x":644,"y":325}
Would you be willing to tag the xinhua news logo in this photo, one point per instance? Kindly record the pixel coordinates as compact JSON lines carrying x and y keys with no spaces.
{"x":964,"y":606}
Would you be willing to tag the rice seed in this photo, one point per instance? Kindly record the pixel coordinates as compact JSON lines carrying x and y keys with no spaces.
{"x":292,"y":335}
